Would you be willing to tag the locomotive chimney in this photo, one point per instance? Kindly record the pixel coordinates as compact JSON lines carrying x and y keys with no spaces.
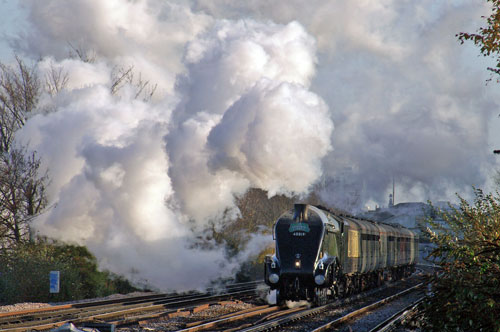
{"x":300,"y":213}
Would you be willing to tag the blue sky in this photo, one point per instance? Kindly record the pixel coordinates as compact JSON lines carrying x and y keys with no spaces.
{"x":11,"y":21}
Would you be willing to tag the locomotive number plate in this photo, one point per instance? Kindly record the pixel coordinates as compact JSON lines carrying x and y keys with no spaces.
{"x":299,"y":229}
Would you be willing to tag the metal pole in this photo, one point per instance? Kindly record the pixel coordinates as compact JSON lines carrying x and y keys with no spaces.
{"x":393,"y":192}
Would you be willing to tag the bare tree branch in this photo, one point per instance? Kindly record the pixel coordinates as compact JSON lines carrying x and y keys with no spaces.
{"x":22,"y":194}
{"x":19,"y":93}
{"x":88,"y":56}
{"x":121,"y":77}
{"x":22,"y":187}
{"x":56,"y":80}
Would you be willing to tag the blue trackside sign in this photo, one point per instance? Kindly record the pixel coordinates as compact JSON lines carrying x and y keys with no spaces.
{"x":54,"y":281}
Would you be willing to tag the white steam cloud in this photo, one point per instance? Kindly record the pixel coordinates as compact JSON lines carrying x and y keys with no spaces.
{"x":129,"y":175}
{"x":247,"y":96}
{"x":246,"y":118}
{"x":408,"y":101}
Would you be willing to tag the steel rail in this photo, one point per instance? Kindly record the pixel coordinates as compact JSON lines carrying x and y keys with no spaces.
{"x":391,"y":322}
{"x":126,"y":320}
{"x":310,"y":312}
{"x":365,"y":309}
{"x":233,"y":317}
{"x":128,"y":300}
{"x":299,"y":315}
{"x":97,"y":314}
{"x":47,"y":318}
{"x":93,"y":317}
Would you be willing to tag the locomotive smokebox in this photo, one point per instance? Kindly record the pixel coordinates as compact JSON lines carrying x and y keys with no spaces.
{"x":300,"y":212}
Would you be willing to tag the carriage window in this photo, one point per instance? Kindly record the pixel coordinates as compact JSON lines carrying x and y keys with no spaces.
{"x":353,"y":244}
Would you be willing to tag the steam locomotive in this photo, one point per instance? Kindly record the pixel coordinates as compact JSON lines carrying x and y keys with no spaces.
{"x":321,"y":255}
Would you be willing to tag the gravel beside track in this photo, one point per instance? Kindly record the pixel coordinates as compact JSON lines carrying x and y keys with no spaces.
{"x":32,"y":305}
{"x":177,"y":323}
{"x":23,"y":306}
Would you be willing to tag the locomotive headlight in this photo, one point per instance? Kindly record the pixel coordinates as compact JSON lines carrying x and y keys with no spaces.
{"x":319,"y":279}
{"x":298,"y":264}
{"x":274,"y":278}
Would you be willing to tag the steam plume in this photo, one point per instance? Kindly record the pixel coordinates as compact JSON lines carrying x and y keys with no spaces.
{"x":247,"y":96}
{"x":129,"y":174}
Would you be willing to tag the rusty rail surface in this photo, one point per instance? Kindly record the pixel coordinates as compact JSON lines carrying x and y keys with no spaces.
{"x":117,"y":311}
{"x":365,"y":309}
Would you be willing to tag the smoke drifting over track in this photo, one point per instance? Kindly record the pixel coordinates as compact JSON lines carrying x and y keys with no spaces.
{"x":247,"y":96}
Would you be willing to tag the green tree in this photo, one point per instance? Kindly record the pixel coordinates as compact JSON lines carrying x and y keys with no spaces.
{"x":487,"y":38}
{"x":466,"y":293}
{"x":25,"y":273}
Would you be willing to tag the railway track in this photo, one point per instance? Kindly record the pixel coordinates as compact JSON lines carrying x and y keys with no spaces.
{"x":366,"y":310}
{"x":123,"y":311}
{"x":303,"y":318}
{"x":392,"y":322}
{"x":323,"y":311}
{"x":141,"y":310}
